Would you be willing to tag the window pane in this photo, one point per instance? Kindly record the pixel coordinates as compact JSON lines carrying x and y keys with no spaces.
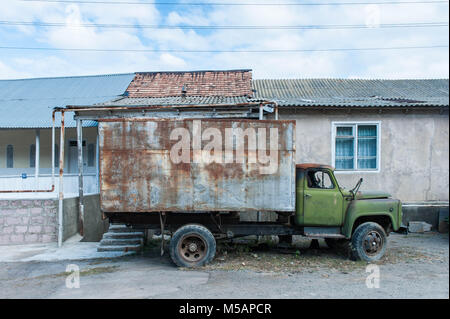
{"x":344,"y":153}
{"x":91,"y":155}
{"x":367,"y":130}
{"x":9,"y":156}
{"x":367,"y":147}
{"x":32,"y":155}
{"x":344,"y":131}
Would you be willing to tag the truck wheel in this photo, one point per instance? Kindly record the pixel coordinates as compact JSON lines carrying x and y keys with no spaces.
{"x":368,"y":242}
{"x":192,"y":246}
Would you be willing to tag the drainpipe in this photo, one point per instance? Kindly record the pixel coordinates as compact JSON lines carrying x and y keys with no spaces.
{"x":80,"y":175}
{"x":61,"y":182}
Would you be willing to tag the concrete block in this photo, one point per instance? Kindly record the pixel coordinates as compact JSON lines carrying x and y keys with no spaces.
{"x":48,"y":238}
{"x":31,"y":238}
{"x":21,"y":229}
{"x":419,"y":227}
{"x":13,"y":221}
{"x":8,"y":230}
{"x":35,"y":229}
{"x":36,"y":211}
{"x":37,"y":220}
{"x":16,"y":239}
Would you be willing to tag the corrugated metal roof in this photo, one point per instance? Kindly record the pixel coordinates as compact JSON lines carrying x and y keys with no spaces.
{"x":175,"y":100}
{"x":353,"y":92}
{"x":320,"y":93}
{"x":28,"y":103}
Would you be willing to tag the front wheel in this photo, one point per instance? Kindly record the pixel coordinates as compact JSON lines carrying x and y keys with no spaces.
{"x":192,"y":246}
{"x":368,"y":242}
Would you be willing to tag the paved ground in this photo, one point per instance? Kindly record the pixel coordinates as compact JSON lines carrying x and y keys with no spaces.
{"x":417,"y":266}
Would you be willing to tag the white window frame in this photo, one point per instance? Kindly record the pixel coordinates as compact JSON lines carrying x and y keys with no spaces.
{"x":355,"y":124}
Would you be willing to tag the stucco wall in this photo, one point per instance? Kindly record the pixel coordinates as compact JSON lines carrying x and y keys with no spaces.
{"x":414,"y":150}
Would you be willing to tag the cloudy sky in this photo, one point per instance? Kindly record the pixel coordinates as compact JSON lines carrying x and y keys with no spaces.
{"x":72,"y":33}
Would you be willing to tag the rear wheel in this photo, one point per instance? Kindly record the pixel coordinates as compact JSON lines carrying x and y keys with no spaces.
{"x":368,"y":242}
{"x":192,"y":246}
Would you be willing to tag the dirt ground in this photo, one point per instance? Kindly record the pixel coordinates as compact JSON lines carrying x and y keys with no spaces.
{"x":415,"y":266}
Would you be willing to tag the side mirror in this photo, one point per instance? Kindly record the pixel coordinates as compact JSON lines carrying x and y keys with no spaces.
{"x":356,"y":188}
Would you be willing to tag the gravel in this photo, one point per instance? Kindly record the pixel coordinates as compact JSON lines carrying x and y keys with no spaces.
{"x":415,"y":266}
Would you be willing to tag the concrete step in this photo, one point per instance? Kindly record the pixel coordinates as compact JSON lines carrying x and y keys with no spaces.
{"x":123,"y":235}
{"x":121,"y":242}
{"x":119,"y":248}
{"x":122,"y":229}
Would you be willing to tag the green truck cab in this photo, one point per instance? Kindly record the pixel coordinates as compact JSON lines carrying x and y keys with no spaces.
{"x":361,"y":219}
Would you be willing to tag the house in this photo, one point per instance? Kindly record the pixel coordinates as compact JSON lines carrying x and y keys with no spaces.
{"x":26,"y":155}
{"x":26,"y":126}
{"x":393,"y":133}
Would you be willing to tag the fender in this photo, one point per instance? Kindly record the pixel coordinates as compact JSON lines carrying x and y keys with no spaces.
{"x":372,"y":207}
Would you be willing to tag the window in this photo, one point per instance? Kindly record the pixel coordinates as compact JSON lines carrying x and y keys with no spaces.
{"x":32,"y":155}
{"x":9,"y":156}
{"x":319,"y":179}
{"x":356,"y":146}
{"x":91,"y":155}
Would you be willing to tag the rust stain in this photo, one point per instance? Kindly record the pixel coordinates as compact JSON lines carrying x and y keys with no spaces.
{"x":137,"y":174}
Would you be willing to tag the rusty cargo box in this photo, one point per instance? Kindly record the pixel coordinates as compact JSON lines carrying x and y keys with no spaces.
{"x":152,"y":165}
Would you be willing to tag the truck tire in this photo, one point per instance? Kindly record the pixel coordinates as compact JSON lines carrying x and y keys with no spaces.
{"x":368,"y":242}
{"x":192,"y":246}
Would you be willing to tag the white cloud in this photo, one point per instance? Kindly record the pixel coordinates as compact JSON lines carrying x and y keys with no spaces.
{"x":171,"y":60}
{"x":385,"y":64}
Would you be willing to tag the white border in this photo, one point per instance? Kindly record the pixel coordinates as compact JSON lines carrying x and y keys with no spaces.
{"x":333,"y":145}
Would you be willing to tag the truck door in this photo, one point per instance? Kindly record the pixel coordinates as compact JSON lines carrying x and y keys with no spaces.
{"x":322,"y":201}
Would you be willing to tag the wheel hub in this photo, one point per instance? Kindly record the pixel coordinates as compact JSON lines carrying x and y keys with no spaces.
{"x":373,"y":243}
{"x":192,"y":248}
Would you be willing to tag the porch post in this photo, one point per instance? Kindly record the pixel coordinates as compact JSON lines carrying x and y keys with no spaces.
{"x":97,"y":162}
{"x":61,"y":183}
{"x":80,"y":174}
{"x":36,"y":162}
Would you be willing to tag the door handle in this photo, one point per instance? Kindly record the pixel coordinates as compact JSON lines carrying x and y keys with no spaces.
{"x":308,"y":195}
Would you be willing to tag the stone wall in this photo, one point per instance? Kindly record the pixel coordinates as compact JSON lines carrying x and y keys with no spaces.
{"x":28,"y":221}
{"x":32,"y":221}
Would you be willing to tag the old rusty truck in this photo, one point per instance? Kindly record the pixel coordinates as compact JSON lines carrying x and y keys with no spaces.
{"x":195,"y":180}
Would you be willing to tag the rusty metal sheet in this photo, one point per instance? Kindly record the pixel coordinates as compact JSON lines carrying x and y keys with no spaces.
{"x":138,"y":172}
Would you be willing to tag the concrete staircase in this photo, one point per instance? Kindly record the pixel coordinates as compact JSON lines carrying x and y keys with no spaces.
{"x":121,"y":238}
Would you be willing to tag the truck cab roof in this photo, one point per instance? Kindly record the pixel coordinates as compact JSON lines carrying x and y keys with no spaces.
{"x":313,"y":165}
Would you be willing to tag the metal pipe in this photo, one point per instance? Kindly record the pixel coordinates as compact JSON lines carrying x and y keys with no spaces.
{"x":149,"y":107}
{"x":53,"y":150}
{"x":61,"y":182}
{"x":80,"y":174}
